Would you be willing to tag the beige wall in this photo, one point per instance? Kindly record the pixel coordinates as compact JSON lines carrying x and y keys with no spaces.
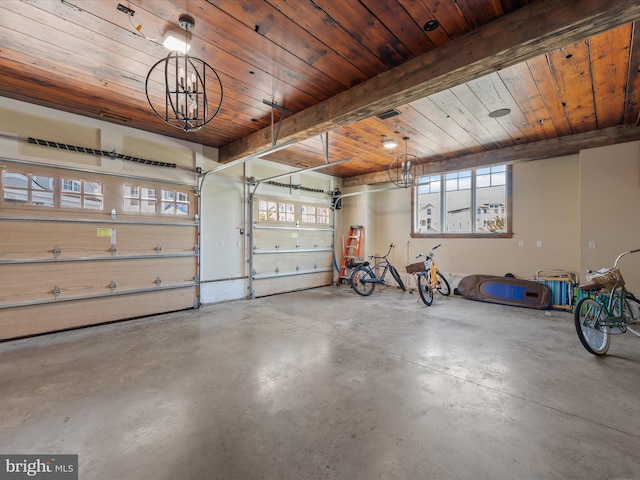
{"x":609,"y":201}
{"x":553,"y":203}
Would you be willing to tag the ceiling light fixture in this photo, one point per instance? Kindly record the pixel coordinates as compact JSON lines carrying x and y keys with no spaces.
{"x":389,"y":143}
{"x":175,"y":41}
{"x":192,"y":88}
{"x":405,"y":170}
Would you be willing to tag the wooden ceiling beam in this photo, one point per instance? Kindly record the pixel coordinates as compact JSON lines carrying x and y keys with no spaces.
{"x":551,"y":148}
{"x":526,"y":33}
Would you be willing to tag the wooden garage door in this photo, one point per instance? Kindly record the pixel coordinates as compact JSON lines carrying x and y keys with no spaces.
{"x":292,"y":247}
{"x":81,"y":248}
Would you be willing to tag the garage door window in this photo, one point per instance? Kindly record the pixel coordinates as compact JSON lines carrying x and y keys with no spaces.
{"x":139,"y":199}
{"x":175,"y":202}
{"x":80,"y":194}
{"x":27,"y":189}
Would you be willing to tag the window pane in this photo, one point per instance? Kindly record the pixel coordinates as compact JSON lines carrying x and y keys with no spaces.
{"x":17,"y":180}
{"x":148,"y":206}
{"x":130,"y":191}
{"x":71,"y":201}
{"x":492,"y":213}
{"x":428,"y":216}
{"x":16,"y":197}
{"x":70,"y":185}
{"x":41,"y":183}
{"x":93,"y":187}
{"x":458,"y":206}
{"x":182,"y":208}
{"x":131,"y":205}
{"x":168,"y":208}
{"x":92,"y":202}
{"x":168,"y":195}
{"x":182,"y":197}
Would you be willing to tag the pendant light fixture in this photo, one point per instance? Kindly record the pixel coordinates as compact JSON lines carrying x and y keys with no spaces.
{"x":192,"y":88}
{"x":405,"y":170}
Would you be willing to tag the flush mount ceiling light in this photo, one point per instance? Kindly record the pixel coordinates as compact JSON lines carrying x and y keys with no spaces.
{"x":500,"y":113}
{"x":175,"y":41}
{"x":389,"y":143}
{"x":405,"y":170}
{"x":184,"y":91}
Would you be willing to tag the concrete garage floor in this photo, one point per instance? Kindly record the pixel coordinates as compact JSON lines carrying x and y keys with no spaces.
{"x":327,"y":384}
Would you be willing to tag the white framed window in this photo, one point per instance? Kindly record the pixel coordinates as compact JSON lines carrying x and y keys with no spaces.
{"x":27,"y":189}
{"x":139,"y":199}
{"x":79,"y":193}
{"x":471,"y":202}
{"x":175,"y":202}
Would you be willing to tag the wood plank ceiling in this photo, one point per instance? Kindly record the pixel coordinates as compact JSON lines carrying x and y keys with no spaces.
{"x":566,"y":69}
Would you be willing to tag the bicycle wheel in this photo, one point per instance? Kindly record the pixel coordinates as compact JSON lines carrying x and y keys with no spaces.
{"x":426,"y":294}
{"x":396,"y":277}
{"x":442,"y":286}
{"x":361,"y":287}
{"x":631,"y":312}
{"x":594,"y":338}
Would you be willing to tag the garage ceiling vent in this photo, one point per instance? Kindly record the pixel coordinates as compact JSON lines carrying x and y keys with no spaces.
{"x":388,"y":114}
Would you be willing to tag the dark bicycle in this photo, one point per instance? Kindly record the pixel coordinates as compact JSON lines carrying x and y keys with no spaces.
{"x":364,"y":279}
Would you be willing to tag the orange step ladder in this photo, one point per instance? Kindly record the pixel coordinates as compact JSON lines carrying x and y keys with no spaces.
{"x":351,"y":251}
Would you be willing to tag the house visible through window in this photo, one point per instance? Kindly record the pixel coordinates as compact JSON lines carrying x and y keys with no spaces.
{"x":472,"y":202}
{"x":77,"y":193}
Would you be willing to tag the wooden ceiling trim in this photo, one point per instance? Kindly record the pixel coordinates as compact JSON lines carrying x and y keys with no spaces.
{"x":610,"y":66}
{"x":506,"y":41}
{"x":551,"y":148}
{"x":546,"y":85}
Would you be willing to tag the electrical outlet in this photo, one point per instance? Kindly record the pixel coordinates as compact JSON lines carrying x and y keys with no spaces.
{"x":592,"y":245}
{"x":126,"y":10}
{"x":539,"y":243}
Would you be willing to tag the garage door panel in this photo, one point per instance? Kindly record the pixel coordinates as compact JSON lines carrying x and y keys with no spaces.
{"x":290,"y":239}
{"x":29,"y":282}
{"x":35,"y":319}
{"x":277,"y":285}
{"x":292,"y":262}
{"x":291,"y":254}
{"x":66,"y":260}
{"x":23,"y":240}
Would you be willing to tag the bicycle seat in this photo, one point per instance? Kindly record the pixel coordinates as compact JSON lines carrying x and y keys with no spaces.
{"x":591,"y":287}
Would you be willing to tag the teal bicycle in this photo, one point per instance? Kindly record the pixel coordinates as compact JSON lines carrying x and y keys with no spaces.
{"x":610,"y":310}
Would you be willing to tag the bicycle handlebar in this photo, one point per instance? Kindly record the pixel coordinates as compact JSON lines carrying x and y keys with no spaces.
{"x":623,"y":254}
{"x":384,"y":256}
{"x":430,"y":253}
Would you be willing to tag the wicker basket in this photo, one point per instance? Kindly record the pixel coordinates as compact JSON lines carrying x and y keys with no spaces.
{"x":609,"y":278}
{"x":416,"y":267}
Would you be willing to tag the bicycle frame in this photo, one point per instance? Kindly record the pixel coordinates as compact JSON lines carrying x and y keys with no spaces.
{"x":384,"y":261}
{"x":618,"y":294}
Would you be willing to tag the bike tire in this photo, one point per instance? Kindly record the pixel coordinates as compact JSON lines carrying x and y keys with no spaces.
{"x":595,"y":340}
{"x":426,"y":294}
{"x":362,"y":288}
{"x":396,"y":277}
{"x":443,"y":285}
{"x":630,"y":311}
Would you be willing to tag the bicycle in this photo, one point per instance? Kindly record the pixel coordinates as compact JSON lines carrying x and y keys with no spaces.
{"x":612,"y":310}
{"x":429,"y":277}
{"x":364,"y":279}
